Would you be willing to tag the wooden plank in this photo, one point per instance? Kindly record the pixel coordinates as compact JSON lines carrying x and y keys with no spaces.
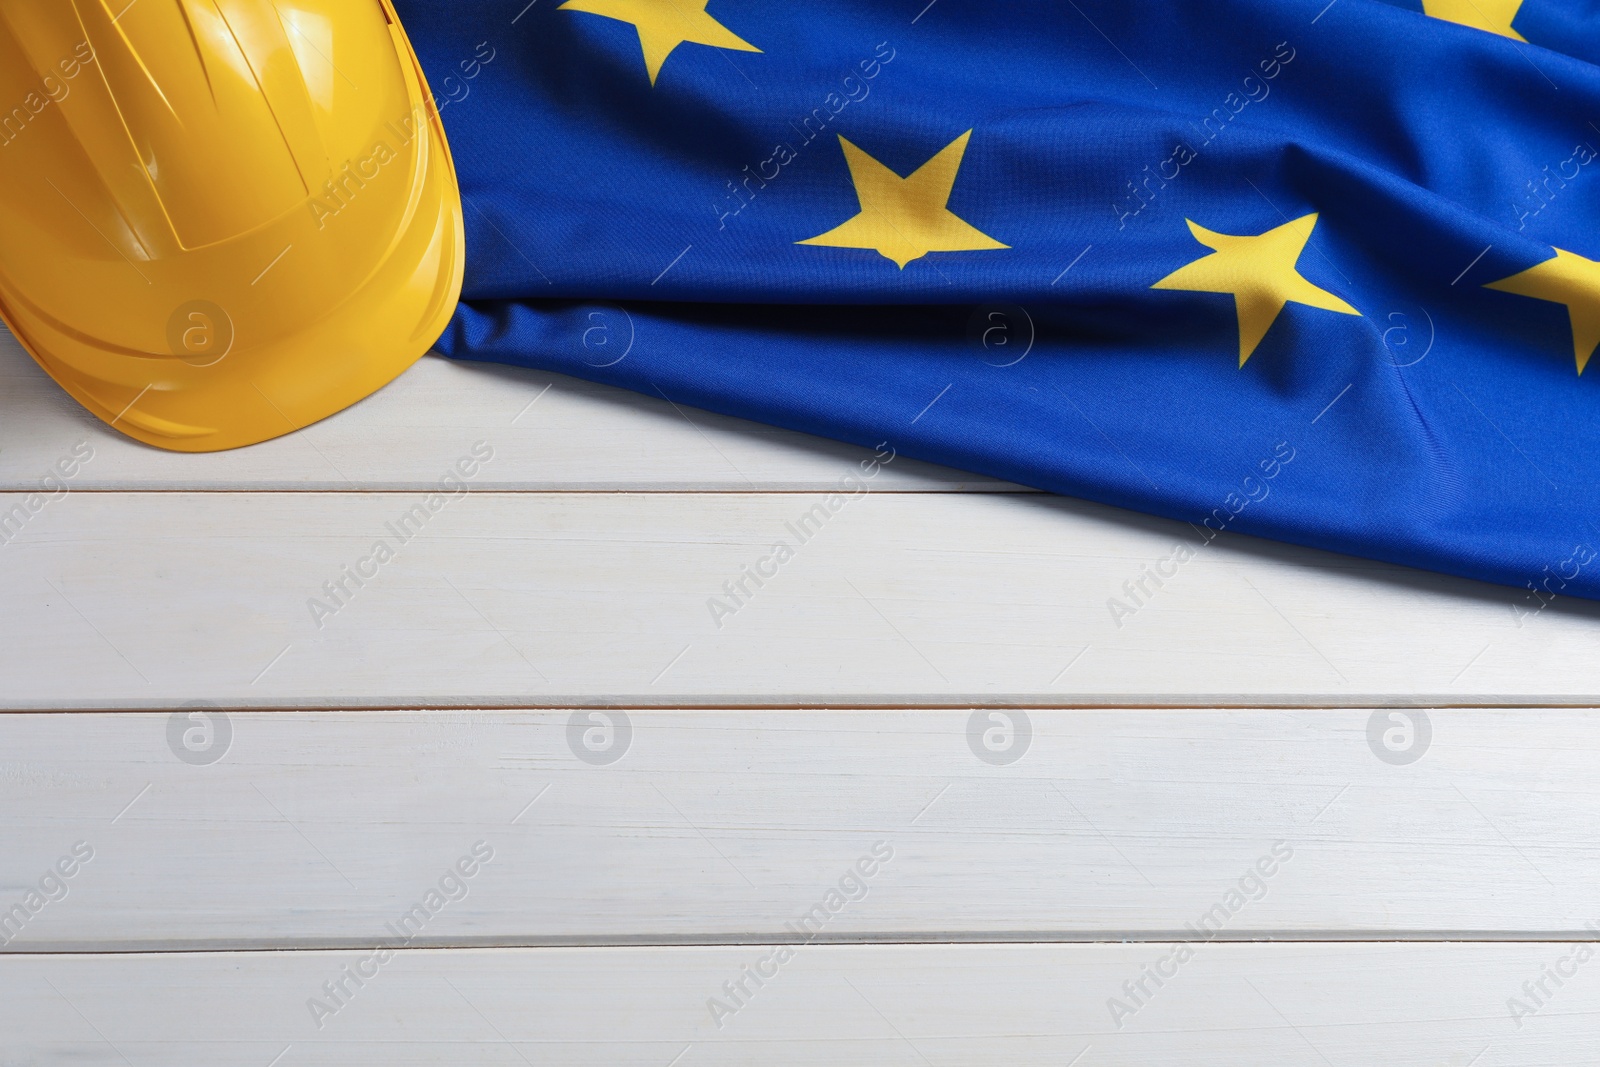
{"x":316,"y":829}
{"x":548,"y":432}
{"x":151,"y":600}
{"x":950,"y":1005}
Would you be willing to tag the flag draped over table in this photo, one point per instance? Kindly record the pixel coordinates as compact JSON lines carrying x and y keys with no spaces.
{"x":1322,"y":272}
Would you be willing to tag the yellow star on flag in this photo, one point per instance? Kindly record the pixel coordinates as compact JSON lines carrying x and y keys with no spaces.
{"x":1567,"y":279}
{"x":1259,"y":272}
{"x":1492,"y":16}
{"x":663,"y":25}
{"x":905,"y":218}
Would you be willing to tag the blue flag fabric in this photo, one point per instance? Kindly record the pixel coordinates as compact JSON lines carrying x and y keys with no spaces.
{"x":1320,"y":272}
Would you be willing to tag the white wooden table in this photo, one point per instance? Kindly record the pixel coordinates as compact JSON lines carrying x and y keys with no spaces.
{"x":518,"y":794}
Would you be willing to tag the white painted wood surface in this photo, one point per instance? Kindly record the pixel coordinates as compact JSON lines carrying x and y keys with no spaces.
{"x":154,"y":599}
{"x":766,"y":758}
{"x":1441,"y":1005}
{"x":315,"y":829}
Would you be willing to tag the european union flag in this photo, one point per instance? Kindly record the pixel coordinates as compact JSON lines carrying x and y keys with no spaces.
{"x":1317,"y":271}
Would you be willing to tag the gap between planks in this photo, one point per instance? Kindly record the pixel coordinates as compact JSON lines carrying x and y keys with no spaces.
{"x":849,"y":704}
{"x":763,"y":940}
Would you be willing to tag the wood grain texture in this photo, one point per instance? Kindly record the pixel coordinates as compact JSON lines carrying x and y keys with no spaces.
{"x":550,"y":432}
{"x":951,"y":1006}
{"x":816,"y":792}
{"x":151,"y":600}
{"x":317,"y":829}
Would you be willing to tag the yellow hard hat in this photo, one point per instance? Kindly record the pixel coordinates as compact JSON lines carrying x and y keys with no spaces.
{"x":221,"y":220}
